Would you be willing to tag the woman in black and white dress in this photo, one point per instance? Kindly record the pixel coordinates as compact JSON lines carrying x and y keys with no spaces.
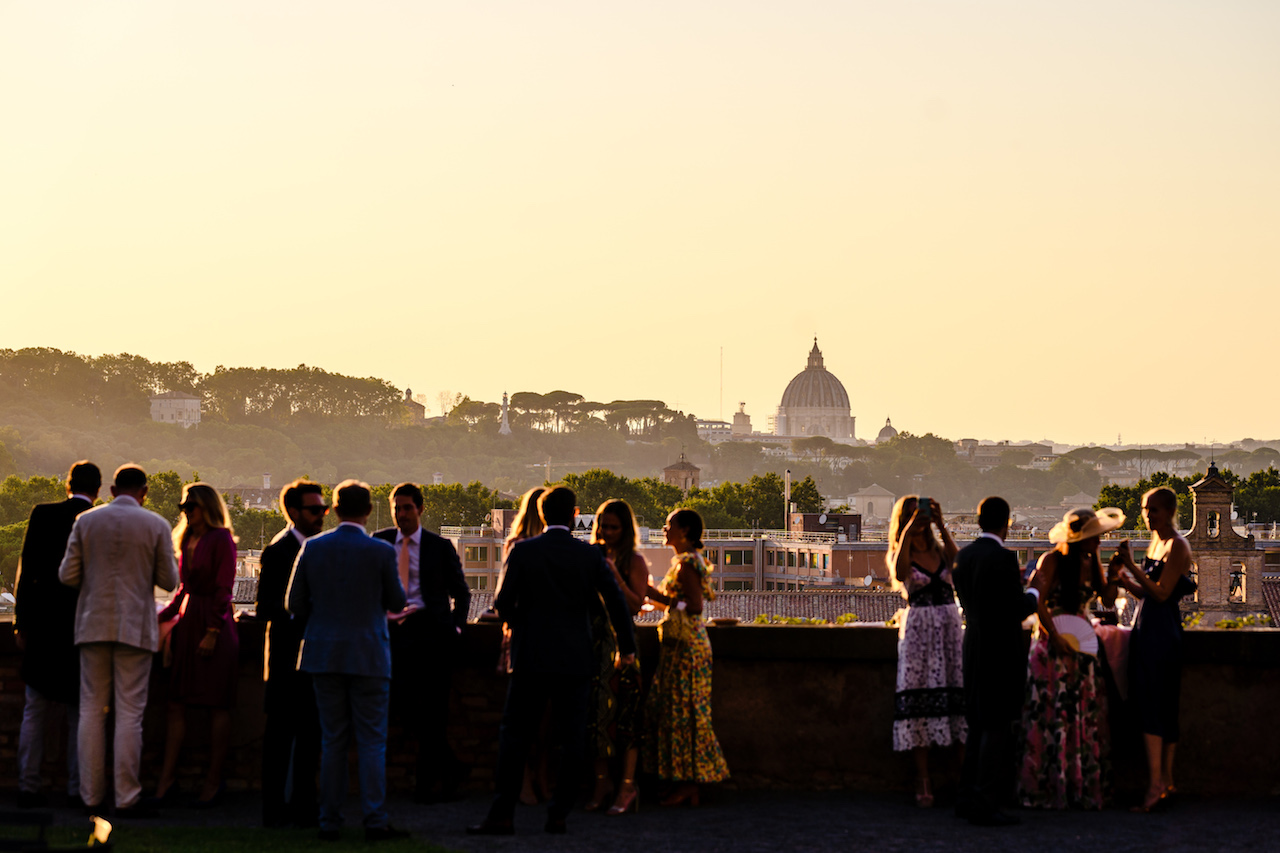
{"x":929,"y":702}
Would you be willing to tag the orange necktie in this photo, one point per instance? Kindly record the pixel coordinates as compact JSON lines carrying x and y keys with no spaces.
{"x":404,"y":564}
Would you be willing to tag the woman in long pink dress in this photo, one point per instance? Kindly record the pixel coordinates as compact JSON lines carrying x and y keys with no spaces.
{"x":204,"y":644}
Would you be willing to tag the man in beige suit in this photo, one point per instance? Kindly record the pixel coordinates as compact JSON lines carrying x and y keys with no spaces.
{"x":117,"y":554}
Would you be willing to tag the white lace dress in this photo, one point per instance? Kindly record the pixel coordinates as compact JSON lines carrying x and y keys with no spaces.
{"x":929,"y":702}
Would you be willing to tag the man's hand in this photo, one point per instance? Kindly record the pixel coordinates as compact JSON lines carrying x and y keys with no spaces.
{"x":19,"y":640}
{"x":207,"y":644}
{"x":624,"y":660}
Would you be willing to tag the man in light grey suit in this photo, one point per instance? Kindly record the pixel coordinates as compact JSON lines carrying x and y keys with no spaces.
{"x":344,"y":583}
{"x":117,"y":555}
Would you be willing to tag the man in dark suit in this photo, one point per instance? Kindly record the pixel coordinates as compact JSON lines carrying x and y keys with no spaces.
{"x":546,"y":596}
{"x":44,"y":622}
{"x":988,"y":581}
{"x":344,"y":582}
{"x":291,"y":740}
{"x":424,"y":641}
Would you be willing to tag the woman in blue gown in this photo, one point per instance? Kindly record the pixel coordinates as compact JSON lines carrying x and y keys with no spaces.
{"x":1155,"y":647}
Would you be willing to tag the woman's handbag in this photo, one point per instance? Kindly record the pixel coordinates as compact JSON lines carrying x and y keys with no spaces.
{"x":677,"y":627}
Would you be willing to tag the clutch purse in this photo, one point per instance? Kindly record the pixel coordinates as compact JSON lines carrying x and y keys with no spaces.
{"x":676,"y":628}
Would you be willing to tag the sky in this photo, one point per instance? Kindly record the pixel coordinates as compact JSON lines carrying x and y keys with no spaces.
{"x":1003,"y":219}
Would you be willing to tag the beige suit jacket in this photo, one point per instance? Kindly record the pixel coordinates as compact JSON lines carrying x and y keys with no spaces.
{"x":117,"y":554}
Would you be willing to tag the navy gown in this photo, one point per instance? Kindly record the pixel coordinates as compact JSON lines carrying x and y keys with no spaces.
{"x":1155,"y":657}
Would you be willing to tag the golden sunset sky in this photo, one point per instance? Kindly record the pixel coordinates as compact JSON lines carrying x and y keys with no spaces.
{"x":1017,"y":219}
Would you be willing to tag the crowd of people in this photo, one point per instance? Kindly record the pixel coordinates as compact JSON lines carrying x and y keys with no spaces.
{"x":1033,"y":728}
{"x":347,"y":609}
{"x":344,"y":610}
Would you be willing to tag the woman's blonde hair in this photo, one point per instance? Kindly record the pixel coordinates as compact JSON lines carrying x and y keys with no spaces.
{"x":898,"y":521}
{"x":210,"y":502}
{"x":528,"y":523}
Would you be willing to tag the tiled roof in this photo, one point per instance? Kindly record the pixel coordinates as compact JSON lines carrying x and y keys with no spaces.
{"x":868,"y":606}
{"x":1271,"y":595}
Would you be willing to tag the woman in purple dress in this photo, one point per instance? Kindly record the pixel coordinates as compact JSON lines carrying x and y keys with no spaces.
{"x":204,"y":645}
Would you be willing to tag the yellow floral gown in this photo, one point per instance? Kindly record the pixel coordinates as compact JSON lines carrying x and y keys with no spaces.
{"x":679,"y":744}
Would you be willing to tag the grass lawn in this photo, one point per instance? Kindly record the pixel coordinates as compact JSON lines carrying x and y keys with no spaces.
{"x":197,"y":839}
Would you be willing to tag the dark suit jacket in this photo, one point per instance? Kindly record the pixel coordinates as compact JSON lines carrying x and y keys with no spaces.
{"x":546,"y":595}
{"x":284,"y":633}
{"x":440,"y":578}
{"x":343,"y":584}
{"x":988,"y":581}
{"x":45,"y":608}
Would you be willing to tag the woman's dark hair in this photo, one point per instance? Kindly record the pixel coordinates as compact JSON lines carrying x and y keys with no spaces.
{"x":1165,"y":497}
{"x":1067,"y":577}
{"x":691,"y":523}
{"x":630,"y":538}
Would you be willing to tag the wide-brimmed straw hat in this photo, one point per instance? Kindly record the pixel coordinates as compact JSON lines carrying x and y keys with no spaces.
{"x":1079,"y":524}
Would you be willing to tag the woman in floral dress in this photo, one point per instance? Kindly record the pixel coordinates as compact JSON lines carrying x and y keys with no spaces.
{"x":929,"y":701}
{"x":680,"y":745}
{"x":1066,"y":739}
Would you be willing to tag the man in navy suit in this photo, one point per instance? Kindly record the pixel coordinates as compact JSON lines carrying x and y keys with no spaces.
{"x":44,"y":623}
{"x":291,"y":740}
{"x":343,"y":584}
{"x":545,"y":596}
{"x":424,"y":641}
{"x":988,"y":581}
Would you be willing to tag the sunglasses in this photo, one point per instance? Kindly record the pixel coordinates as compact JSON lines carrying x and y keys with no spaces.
{"x":318,"y":509}
{"x":188,"y":506}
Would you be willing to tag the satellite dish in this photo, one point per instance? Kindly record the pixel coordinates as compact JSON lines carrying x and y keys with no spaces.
{"x":822,"y":519}
{"x":867,"y":580}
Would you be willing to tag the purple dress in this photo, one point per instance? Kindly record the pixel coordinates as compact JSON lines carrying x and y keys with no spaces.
{"x":204,"y":601}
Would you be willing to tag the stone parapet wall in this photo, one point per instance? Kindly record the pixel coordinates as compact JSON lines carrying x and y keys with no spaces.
{"x":799,"y":707}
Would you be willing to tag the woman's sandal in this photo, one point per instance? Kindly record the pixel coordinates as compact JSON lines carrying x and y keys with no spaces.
{"x":600,"y":794}
{"x":924,"y":796}
{"x":624,"y":802}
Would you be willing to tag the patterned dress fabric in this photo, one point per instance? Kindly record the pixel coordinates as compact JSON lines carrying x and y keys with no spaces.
{"x":929,"y":702}
{"x":615,"y":695}
{"x":1066,"y":738}
{"x":679,"y":743}
{"x":1155,"y":657}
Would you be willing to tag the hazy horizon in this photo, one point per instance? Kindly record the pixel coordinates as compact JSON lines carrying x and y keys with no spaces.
{"x":1001,"y":220}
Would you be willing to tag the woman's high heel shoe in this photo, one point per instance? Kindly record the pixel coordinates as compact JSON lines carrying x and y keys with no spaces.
{"x":213,"y":801}
{"x":682,"y":796}
{"x":924,"y":796}
{"x":600,"y":794}
{"x":626,"y":801}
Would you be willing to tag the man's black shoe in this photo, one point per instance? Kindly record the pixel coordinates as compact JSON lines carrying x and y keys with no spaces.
{"x":964,"y":811}
{"x":994,"y":818}
{"x":74,"y":801}
{"x":329,"y":835}
{"x":492,"y":827}
{"x":384,"y":833}
{"x":138,"y":811}
{"x":427,"y":797}
{"x":556,"y":826}
{"x":32,"y":800}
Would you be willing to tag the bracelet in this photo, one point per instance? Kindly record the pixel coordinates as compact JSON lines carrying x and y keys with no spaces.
{"x":213,"y":630}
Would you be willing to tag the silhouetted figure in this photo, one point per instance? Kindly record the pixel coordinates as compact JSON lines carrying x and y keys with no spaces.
{"x":929,"y":699}
{"x":44,"y":626}
{"x":291,"y":739}
{"x":545,"y":596}
{"x":425,"y":641}
{"x":988,"y":581}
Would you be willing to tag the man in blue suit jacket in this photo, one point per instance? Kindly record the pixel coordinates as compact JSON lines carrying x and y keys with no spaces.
{"x":343,"y":584}
{"x":546,"y":596}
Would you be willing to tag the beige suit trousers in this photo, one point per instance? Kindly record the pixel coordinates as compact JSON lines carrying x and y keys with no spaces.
{"x":112,"y":675}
